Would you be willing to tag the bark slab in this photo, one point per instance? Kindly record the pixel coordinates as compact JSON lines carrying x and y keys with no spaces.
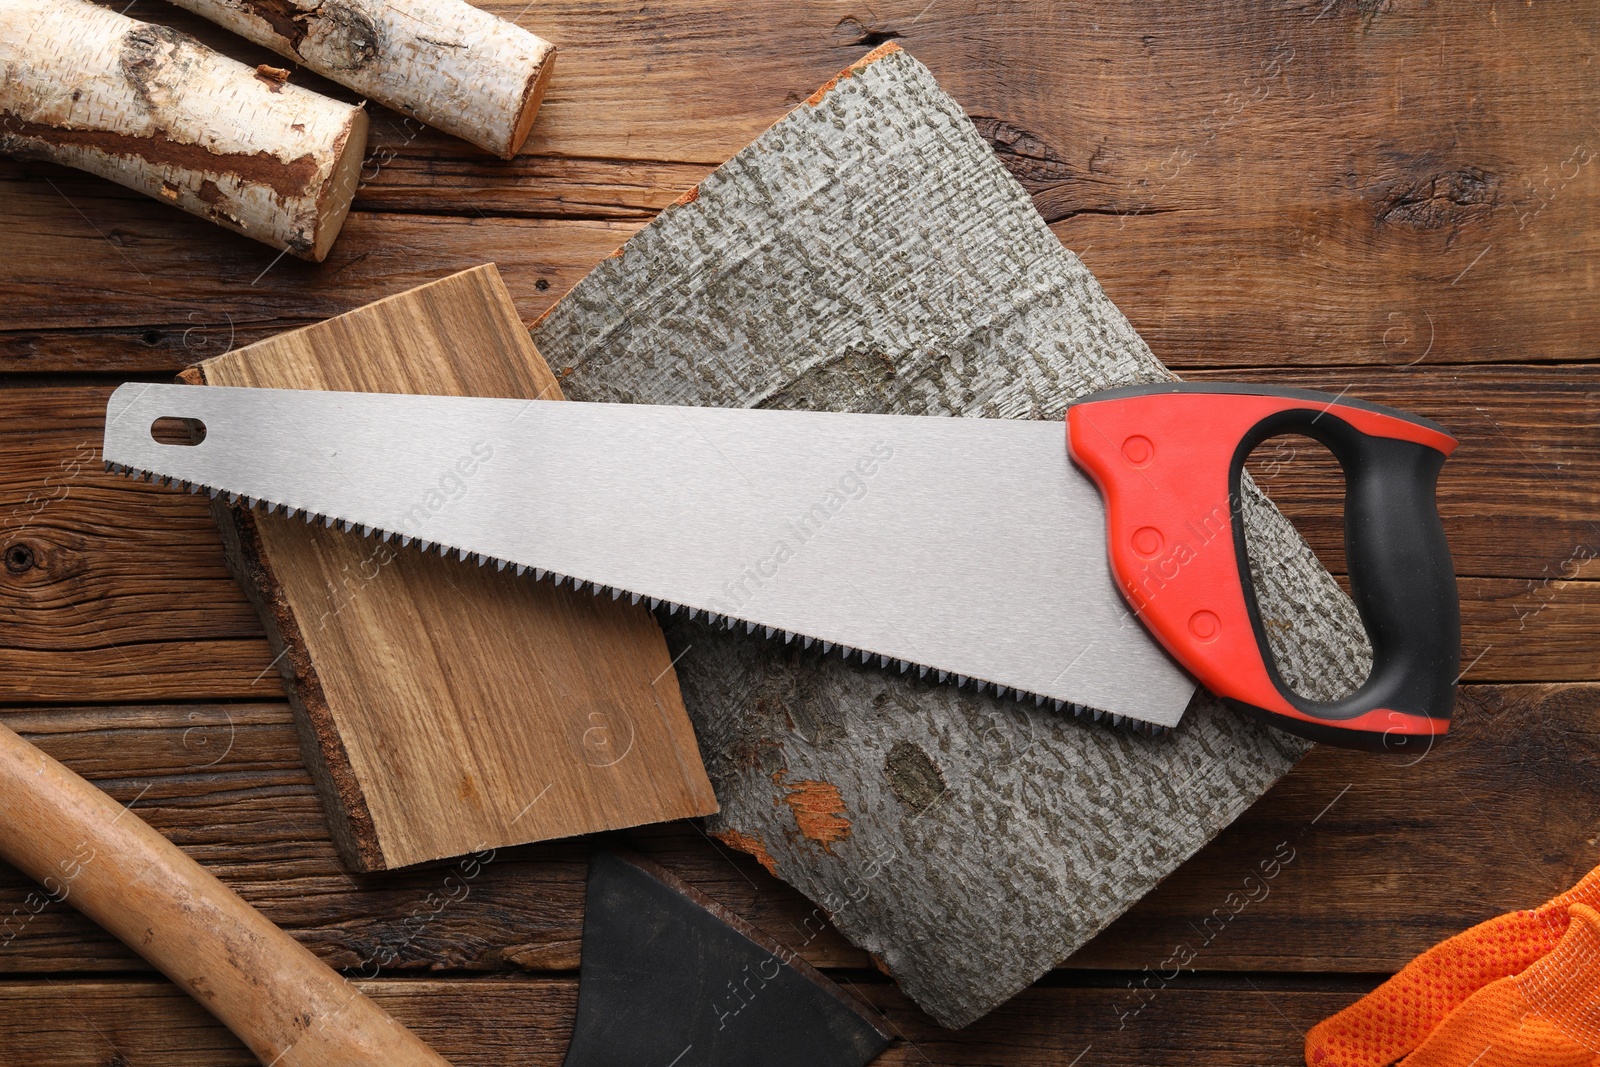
{"x":870,"y":253}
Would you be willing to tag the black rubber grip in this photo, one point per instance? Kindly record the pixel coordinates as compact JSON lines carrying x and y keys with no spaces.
{"x":1401,"y":576}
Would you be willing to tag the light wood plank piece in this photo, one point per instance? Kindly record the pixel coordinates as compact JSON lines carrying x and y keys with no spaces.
{"x":289,"y":1007}
{"x":446,"y":62}
{"x":155,"y":110}
{"x":444,"y":707}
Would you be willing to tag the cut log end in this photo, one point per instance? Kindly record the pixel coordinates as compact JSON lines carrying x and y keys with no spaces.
{"x":532,"y":98}
{"x":339,"y":192}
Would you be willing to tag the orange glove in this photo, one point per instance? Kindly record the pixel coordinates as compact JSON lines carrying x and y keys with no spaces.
{"x":1547,"y":1016}
{"x":1502,"y":993}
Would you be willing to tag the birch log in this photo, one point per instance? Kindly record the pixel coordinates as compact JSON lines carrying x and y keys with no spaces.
{"x":445,"y":62}
{"x":155,"y":110}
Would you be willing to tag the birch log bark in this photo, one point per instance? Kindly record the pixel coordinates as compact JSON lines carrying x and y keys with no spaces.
{"x":452,"y":65}
{"x":155,"y":110}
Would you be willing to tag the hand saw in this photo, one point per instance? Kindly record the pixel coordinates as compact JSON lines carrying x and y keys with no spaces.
{"x":1105,"y":573}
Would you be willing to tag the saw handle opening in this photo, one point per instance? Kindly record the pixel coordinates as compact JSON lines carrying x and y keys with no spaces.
{"x":1169,"y":461}
{"x":176,"y":430}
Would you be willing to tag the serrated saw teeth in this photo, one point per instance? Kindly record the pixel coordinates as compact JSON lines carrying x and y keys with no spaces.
{"x":668,"y":607}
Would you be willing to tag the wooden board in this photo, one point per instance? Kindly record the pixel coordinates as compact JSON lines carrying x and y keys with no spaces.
{"x":486,"y":1023}
{"x":447,"y":708}
{"x":227,"y":783}
{"x":1291,"y":189}
{"x":1235,"y":200}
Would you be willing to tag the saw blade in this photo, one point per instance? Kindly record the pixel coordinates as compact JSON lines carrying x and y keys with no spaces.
{"x":967,"y":547}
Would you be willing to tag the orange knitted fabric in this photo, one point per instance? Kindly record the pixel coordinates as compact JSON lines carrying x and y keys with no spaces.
{"x":1548,"y":1016}
{"x":1395,"y":1018}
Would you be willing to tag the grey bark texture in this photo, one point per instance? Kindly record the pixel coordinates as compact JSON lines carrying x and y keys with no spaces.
{"x":870,"y":253}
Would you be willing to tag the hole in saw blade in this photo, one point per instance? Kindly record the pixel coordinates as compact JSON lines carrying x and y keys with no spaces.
{"x":1306,"y":483}
{"x":173,"y":430}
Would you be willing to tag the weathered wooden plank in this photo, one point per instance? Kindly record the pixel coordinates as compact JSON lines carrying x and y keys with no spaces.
{"x":86,"y":1023}
{"x":1519,"y":496}
{"x":1499,"y":816}
{"x":1310,"y":182}
{"x":1512,"y":621}
{"x":1375,"y":860}
{"x":433,"y":179}
{"x":1356,"y":239}
{"x":110,"y":591}
{"x":156,"y":297}
{"x":145,"y":1023}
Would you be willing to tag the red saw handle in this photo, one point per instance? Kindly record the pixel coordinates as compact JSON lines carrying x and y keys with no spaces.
{"x":1168,"y":459}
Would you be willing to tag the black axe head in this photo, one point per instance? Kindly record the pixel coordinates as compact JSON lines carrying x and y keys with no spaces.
{"x":671,"y":979}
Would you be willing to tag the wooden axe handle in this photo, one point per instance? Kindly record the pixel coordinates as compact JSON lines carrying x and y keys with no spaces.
{"x":292,"y":1009}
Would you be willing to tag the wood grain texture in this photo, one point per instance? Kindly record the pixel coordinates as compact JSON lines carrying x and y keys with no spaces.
{"x":492,"y":1022}
{"x":1253,"y":192}
{"x":1401,"y":205}
{"x":1366,"y":889}
{"x":444,"y":708}
{"x":869,"y":253}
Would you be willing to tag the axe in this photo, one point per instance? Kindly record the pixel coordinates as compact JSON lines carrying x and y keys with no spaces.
{"x":668,"y":977}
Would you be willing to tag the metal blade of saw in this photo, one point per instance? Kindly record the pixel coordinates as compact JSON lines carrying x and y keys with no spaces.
{"x":970,"y":547}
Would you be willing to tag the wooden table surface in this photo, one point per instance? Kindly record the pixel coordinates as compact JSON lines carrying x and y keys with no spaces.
{"x":1384,"y":197}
